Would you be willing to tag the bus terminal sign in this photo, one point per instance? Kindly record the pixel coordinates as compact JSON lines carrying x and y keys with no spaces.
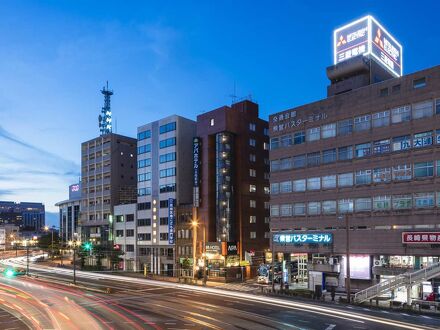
{"x":315,"y":238}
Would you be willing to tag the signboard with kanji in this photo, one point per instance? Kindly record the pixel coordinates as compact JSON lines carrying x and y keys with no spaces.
{"x":315,"y":238}
{"x":421,"y":237}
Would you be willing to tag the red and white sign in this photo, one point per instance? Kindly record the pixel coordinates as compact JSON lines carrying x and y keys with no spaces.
{"x":430,"y":237}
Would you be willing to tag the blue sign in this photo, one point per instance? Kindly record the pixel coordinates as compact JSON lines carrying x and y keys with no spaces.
{"x":196,"y":171}
{"x":171,"y":221}
{"x":315,"y":238}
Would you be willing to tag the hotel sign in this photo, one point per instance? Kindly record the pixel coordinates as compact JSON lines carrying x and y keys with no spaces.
{"x":315,"y":238}
{"x":421,"y":237}
{"x":196,"y":171}
{"x":213,"y":248}
{"x":366,"y":36}
{"x":171,"y":220}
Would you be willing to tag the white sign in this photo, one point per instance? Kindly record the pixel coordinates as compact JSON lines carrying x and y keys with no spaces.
{"x":2,"y":236}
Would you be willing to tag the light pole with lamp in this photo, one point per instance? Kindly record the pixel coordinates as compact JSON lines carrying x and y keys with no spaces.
{"x":74,"y":245}
{"x":27,"y":242}
{"x":347,"y":255}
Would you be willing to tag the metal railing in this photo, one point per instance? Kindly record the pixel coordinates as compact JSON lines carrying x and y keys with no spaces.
{"x":398,"y":281}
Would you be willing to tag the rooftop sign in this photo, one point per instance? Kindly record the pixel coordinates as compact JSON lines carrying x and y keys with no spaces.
{"x":366,"y":36}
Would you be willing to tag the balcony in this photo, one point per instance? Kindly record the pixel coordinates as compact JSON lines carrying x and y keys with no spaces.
{"x":325,"y":268}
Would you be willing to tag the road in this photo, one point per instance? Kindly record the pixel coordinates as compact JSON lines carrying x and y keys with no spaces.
{"x":142,"y":304}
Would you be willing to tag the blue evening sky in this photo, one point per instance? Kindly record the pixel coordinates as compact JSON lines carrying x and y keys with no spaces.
{"x":161,"y":58}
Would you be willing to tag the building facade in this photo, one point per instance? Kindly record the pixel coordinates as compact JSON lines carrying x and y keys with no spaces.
{"x":108,"y":171}
{"x":125,"y":235}
{"x":69,"y":211}
{"x":28,"y":216}
{"x":368,"y":154}
{"x":233,"y":180}
{"x":164,"y":175}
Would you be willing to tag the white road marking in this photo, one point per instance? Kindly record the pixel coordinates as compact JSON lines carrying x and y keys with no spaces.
{"x":330,"y":327}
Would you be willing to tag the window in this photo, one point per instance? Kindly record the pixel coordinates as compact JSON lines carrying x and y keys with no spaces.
{"x":169,"y":157}
{"x":313,"y":159}
{"x":423,"y":169}
{"x":381,"y":203}
{"x":345,"y":127}
{"x":382,"y":146}
{"x":144,"y":237}
{"x":274,"y":188}
{"x":252,"y":188}
{"x":253,"y":219}
{"x":163,"y":221}
{"x":252,"y":142}
{"x":252,"y":158}
{"x":252,"y":173}
{"x":167,"y":143}
{"x":252,"y":203}
{"x":274,"y":143}
{"x":363,"y":177}
{"x":144,"y":177}
{"x":299,"y":161}
{"x":314,"y":208}
{"x":299,"y":209}
{"x":211,"y":122}
{"x":274,"y":211}
{"x":129,"y":232}
{"x":383,"y":91}
{"x":119,"y":218}
{"x":424,"y":200}
{"x":286,"y":163}
{"x":419,"y":83}
{"x":167,"y":128}
{"x":286,"y":141}
{"x":252,"y":127}
{"x":119,"y":233}
{"x":402,"y":172}
{"x":314,"y":183}
{"x":329,"y":156}
{"x":345,"y":153}
{"x":163,"y":203}
{"x":299,"y":137}
{"x":437,"y":171}
{"x":381,"y":119}
{"x":252,"y":234}
{"x":345,"y":180}
{"x":129,"y":217}
{"x":313,"y":134}
{"x":329,"y":207}
{"x":345,"y":205}
{"x":163,"y":236}
{"x":299,"y":185}
{"x":144,"y":222}
{"x":144,"y":149}
{"x":144,"y":206}
{"x":401,"y":114}
{"x":286,"y":210}
{"x":402,"y":202}
{"x":266,"y":131}
{"x":362,"y":204}
{"x":402,"y":142}
{"x":286,"y":187}
{"x":266,"y":219}
{"x":167,"y":172}
{"x":129,"y":248}
{"x":362,"y":123}
{"x":328,"y":131}
{"x":422,"y":109}
{"x":329,"y":182}
{"x":363,"y":150}
{"x":421,"y":140}
{"x":144,"y":163}
{"x":144,"y":191}
{"x":166,"y":188}
{"x":437,"y":106}
{"x":144,"y":135}
{"x":381,"y":175}
{"x":275,"y":165}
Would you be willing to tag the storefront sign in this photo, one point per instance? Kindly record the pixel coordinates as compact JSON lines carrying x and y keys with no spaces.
{"x":171,"y":220}
{"x":231,"y":248}
{"x":421,"y":237}
{"x":196,"y":171}
{"x":316,"y":238}
{"x":213,"y":248}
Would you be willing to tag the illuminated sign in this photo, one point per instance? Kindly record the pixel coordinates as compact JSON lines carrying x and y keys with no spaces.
{"x":171,"y":220}
{"x":366,"y":36}
{"x":196,"y":171}
{"x":421,"y":237}
{"x":213,"y":248}
{"x":74,"y":188}
{"x":315,"y":238}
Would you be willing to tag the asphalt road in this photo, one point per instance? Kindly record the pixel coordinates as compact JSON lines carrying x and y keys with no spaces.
{"x":143,"y":304}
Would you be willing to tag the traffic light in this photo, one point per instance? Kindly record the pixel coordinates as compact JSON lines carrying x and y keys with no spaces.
{"x":88,"y":246}
{"x":9,"y":272}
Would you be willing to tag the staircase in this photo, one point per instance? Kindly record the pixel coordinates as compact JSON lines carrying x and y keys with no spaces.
{"x":406,"y":279}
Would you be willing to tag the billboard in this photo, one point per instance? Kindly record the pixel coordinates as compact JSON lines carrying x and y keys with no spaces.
{"x":315,"y":238}
{"x":75,"y":191}
{"x":430,"y":237}
{"x":171,"y":220}
{"x":366,"y":36}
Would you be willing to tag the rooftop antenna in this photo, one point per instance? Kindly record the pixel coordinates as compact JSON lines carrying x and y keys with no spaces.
{"x":233,"y":96}
{"x":105,"y":118}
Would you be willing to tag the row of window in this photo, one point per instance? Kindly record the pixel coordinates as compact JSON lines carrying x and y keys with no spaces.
{"x":363,"y":204}
{"x":169,"y":157}
{"x":144,"y":177}
{"x":357,"y":124}
{"x":140,"y":237}
{"x":164,"y":188}
{"x":405,"y":142}
{"x":378,"y":175}
{"x":147,"y":205}
{"x":167,"y":172}
{"x":162,"y":144}
{"x":162,"y":129}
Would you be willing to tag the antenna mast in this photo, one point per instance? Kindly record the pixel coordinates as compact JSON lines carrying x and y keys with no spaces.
{"x":105,"y":118}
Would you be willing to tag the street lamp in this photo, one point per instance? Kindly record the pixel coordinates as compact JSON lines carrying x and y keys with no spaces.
{"x":74,"y":245}
{"x":347,"y":255}
{"x":27,"y":242}
{"x":194,"y":224}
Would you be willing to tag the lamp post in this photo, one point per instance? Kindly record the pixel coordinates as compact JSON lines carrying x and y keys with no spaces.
{"x":194,"y":227}
{"x":74,"y":245}
{"x":27,"y":243}
{"x":347,"y":256}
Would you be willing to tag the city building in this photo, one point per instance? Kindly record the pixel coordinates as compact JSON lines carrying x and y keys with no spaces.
{"x":125,"y":235}
{"x":164,"y":175}
{"x":28,"y":216}
{"x":69,"y":211}
{"x":108,"y":178}
{"x":367,"y":155}
{"x":231,"y":183}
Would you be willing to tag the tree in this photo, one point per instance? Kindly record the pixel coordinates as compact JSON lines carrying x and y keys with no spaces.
{"x":45,"y":242}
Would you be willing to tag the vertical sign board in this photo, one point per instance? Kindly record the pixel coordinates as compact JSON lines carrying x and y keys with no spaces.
{"x":366,"y":36}
{"x":171,"y":221}
{"x":196,"y":171}
{"x":3,"y":237}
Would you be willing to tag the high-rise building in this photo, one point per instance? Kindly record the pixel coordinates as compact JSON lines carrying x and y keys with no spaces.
{"x":69,"y":211}
{"x":28,"y":216}
{"x":367,"y":156}
{"x":164,"y":178}
{"x":108,"y":172}
{"x":231,"y":180}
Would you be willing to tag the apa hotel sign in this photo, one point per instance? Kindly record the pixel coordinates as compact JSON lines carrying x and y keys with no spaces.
{"x":366,"y":36}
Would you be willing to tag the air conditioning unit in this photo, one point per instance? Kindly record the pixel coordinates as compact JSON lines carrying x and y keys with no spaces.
{"x":377,"y":263}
